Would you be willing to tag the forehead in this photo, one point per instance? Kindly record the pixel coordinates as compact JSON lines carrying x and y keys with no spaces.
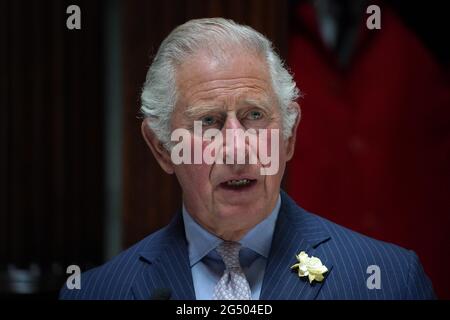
{"x":234,"y":77}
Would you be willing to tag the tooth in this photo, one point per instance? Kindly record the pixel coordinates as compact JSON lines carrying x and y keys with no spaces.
{"x":238,"y":183}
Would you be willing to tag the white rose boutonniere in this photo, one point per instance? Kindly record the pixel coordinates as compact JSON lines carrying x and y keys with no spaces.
{"x":310,"y":267}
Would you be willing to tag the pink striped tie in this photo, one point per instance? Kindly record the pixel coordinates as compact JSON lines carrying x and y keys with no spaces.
{"x":233,"y":285}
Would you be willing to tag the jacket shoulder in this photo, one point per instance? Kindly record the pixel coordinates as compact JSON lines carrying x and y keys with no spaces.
{"x":113,"y":279}
{"x":401,"y":273}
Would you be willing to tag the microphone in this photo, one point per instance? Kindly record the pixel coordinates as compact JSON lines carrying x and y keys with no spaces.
{"x":161,"y":294}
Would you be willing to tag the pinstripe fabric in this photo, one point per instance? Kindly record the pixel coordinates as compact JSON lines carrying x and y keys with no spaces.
{"x":346,"y":254}
{"x":161,"y":261}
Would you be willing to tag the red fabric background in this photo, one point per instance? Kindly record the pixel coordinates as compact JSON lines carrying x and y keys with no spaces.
{"x":373,"y":146}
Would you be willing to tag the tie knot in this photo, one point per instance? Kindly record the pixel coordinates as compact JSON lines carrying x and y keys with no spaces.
{"x":229,"y":251}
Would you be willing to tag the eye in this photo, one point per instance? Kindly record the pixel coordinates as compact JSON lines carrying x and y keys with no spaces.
{"x":254,"y":115}
{"x":208,"y":121}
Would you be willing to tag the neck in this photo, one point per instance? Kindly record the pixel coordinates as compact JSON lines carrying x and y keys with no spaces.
{"x":232,"y":235}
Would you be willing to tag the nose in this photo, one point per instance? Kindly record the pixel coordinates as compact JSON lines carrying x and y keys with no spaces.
{"x":232,"y":122}
{"x":235,"y":148}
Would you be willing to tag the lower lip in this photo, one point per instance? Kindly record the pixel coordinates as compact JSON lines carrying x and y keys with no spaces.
{"x":241,"y":189}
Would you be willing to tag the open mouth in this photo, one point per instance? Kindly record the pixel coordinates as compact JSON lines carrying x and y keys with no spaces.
{"x":238,"y":184}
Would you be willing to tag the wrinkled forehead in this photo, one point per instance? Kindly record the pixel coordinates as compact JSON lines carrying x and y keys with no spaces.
{"x":203,"y":75}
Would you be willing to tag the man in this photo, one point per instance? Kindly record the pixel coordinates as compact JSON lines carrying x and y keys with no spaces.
{"x":238,"y":236}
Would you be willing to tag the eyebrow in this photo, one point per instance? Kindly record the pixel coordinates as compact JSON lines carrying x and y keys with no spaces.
{"x":264,"y":104}
{"x":199,"y":110}
{"x":195,"y":111}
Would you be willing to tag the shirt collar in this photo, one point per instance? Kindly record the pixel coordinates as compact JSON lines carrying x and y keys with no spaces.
{"x":201,"y":241}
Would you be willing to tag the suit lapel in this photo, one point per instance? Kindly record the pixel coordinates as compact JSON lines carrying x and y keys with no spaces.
{"x":295,"y":231}
{"x":166,"y":265}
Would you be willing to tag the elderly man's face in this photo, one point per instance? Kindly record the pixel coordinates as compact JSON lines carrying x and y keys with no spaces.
{"x":230,"y":93}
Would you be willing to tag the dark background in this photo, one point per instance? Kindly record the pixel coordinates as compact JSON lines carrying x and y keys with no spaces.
{"x":77,"y":182}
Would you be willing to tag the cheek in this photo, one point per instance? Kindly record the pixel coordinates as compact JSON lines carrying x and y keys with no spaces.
{"x":271,"y":144}
{"x":196,"y":177}
{"x":279,"y":155}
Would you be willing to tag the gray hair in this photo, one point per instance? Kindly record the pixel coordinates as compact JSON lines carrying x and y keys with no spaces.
{"x":159,"y":94}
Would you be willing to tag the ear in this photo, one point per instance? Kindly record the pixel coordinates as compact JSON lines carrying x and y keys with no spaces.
{"x":159,"y":151}
{"x":290,"y":142}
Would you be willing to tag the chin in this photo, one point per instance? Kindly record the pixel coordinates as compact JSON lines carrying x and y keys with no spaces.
{"x":236,"y":208}
{"x":240,"y":214}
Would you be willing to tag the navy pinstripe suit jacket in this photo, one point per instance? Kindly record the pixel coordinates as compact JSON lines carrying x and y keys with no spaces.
{"x":161,"y":261}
